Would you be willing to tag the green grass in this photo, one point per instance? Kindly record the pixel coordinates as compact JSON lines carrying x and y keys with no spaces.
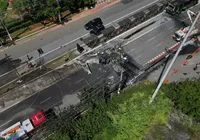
{"x":127,"y":116}
{"x":134,"y":116}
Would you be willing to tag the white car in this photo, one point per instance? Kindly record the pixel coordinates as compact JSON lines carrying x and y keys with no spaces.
{"x":180,"y":34}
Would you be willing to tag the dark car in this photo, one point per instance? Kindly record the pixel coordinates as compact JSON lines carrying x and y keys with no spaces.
{"x":89,"y":25}
{"x":97,"y":29}
{"x":93,"y":23}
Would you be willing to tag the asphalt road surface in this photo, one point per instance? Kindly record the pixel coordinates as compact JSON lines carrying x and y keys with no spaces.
{"x":153,"y":41}
{"x":183,"y":71}
{"x":156,"y":38}
{"x":63,"y":92}
{"x":52,"y":39}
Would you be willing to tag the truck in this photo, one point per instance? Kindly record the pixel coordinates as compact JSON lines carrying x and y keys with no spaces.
{"x":23,"y":129}
{"x":175,"y":7}
{"x":181,"y":33}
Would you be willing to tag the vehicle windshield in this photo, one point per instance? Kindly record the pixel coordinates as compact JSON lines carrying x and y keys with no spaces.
{"x":170,"y":7}
{"x":177,"y":36}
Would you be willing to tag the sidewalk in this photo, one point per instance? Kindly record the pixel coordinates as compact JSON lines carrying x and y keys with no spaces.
{"x":34,"y":86}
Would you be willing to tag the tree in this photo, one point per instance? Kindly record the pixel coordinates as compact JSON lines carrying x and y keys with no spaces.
{"x":3,"y":5}
{"x":185,"y":96}
{"x":1,"y":138}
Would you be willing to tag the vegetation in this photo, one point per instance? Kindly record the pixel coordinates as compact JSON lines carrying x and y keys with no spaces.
{"x":37,"y":10}
{"x":3,"y":5}
{"x":126,"y":116}
{"x":33,"y":12}
{"x":185,"y":97}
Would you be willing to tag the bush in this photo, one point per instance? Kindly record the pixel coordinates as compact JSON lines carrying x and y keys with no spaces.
{"x":185,"y":96}
{"x":14,"y":23}
{"x":3,"y":5}
{"x":23,"y":25}
{"x":127,"y":116}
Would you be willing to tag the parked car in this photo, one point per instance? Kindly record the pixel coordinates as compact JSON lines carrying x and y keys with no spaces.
{"x":93,"y":23}
{"x":97,"y":29}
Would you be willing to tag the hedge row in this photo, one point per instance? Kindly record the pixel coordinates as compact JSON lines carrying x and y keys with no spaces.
{"x":23,"y":25}
{"x":14,"y":26}
{"x":14,"y":23}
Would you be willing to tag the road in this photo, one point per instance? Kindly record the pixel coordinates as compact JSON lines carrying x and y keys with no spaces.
{"x":144,"y":44}
{"x":69,"y":34}
{"x":154,"y":39}
{"x":65,"y":89}
{"x":64,"y":92}
{"x":183,"y":72}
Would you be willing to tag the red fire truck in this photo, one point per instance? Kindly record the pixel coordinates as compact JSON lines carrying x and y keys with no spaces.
{"x":22,"y":129}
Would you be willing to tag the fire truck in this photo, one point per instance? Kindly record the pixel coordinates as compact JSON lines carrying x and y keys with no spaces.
{"x":22,"y":129}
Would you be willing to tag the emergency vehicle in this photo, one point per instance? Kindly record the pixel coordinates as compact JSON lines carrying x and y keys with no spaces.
{"x":181,"y":33}
{"x":23,"y":129}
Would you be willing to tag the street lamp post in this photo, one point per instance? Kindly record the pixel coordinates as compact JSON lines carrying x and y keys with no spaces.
{"x":59,"y":16}
{"x":4,"y":26}
{"x":174,"y":58}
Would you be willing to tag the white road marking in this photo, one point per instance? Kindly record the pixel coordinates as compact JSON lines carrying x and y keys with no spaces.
{"x":6,"y":123}
{"x":151,"y":39}
{"x":82,"y":55}
{"x":131,"y":50}
{"x":105,"y":25}
{"x":140,"y":35}
{"x":83,"y":35}
{"x":171,"y":28}
{"x":45,"y":100}
{"x":139,"y":56}
{"x":158,"y":45}
{"x":79,"y":81}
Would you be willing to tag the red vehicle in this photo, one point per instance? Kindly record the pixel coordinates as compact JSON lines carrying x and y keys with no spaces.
{"x":38,"y":118}
{"x":24,"y":128}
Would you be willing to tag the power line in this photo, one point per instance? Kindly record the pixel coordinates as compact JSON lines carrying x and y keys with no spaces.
{"x":65,"y":112}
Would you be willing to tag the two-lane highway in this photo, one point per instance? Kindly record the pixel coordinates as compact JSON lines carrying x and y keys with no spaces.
{"x":52,"y":39}
{"x":63,"y":92}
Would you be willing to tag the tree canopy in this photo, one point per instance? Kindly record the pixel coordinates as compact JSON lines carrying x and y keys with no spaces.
{"x":38,"y":10}
{"x":185,"y":96}
{"x":126,"y":116}
{"x":3,"y":5}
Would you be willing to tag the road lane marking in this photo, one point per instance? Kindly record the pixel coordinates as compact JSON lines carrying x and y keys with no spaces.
{"x":141,"y":35}
{"x":151,"y":39}
{"x":79,"y":81}
{"x":105,"y":25}
{"x":84,"y":35}
{"x":6,"y":123}
{"x":45,"y":100}
{"x":82,"y":55}
{"x":131,"y":50}
{"x":170,"y":28}
{"x":157,"y":45}
{"x":139,"y":56}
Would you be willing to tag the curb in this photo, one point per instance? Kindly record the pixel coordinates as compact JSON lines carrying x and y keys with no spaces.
{"x":163,"y":53}
{"x":76,"y":17}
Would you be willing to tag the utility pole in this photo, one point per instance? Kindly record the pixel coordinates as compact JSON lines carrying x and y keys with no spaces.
{"x":174,"y":58}
{"x":4,"y":26}
{"x":59,"y":16}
